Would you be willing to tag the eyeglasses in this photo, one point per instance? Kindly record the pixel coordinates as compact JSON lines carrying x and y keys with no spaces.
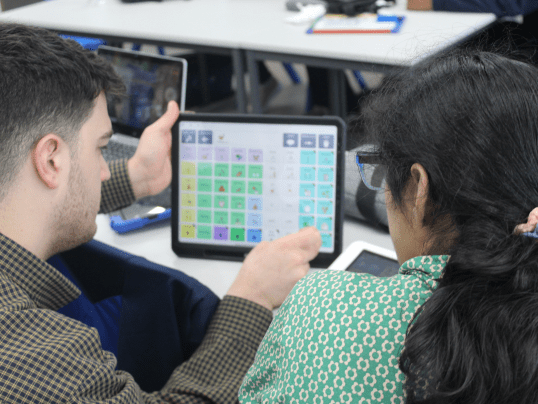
{"x":372,"y":170}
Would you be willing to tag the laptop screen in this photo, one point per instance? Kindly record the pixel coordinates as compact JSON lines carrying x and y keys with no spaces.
{"x":151,"y":81}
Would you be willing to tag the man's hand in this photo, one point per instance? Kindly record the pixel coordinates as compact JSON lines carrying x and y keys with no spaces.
{"x":150,"y":169}
{"x":272,"y":269}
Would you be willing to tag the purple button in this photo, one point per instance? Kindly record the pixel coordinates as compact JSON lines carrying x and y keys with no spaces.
{"x":220,"y":233}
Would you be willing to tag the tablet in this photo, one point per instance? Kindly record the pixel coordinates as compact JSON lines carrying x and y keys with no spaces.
{"x":367,"y":258}
{"x":242,"y":179}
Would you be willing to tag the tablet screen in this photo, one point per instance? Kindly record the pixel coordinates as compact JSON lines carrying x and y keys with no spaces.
{"x":151,"y":81}
{"x":374,"y":264}
{"x":243,"y":182}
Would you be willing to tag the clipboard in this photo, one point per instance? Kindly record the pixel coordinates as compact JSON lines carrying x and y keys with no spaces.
{"x":361,"y":24}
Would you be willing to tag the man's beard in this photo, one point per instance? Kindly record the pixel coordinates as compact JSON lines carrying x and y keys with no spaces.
{"x":75,"y":220}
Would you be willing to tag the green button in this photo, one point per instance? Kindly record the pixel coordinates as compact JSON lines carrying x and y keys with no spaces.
{"x":222,"y":170}
{"x":205,"y":169}
{"x":204,"y":232}
{"x":204,"y":201}
{"x":204,"y":216}
{"x":204,"y":185}
{"x":221,"y":217}
{"x":237,"y":234}
{"x":238,"y":170}
{"x":255,"y":171}
{"x":238,"y":219}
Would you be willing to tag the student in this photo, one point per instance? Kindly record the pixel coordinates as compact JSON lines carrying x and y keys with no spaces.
{"x":54,"y":125}
{"x":458,"y":135}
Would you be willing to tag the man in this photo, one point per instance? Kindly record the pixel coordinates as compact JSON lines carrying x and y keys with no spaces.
{"x":54,"y":125}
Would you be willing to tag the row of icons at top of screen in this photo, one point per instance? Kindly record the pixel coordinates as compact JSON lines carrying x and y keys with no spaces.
{"x":289,"y":139}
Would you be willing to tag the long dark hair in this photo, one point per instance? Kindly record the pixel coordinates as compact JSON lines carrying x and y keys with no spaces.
{"x":471,"y":120}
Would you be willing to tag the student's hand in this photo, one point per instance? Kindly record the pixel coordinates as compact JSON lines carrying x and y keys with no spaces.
{"x":150,"y":169}
{"x":272,"y":269}
{"x":421,"y":5}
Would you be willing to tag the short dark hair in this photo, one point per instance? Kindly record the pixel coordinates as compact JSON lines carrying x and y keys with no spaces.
{"x":47,"y":85}
{"x":470,"y":119}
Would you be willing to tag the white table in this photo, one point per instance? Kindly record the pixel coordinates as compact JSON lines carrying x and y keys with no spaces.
{"x":256,"y":27}
{"x":154,"y":244}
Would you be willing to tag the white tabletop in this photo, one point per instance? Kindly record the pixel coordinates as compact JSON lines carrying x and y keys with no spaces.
{"x":256,"y":25}
{"x":154,"y":244}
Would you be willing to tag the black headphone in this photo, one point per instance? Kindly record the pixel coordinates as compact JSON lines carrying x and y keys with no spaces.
{"x":354,"y":7}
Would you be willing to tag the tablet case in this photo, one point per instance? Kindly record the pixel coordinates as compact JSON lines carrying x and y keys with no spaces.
{"x":227,"y":252}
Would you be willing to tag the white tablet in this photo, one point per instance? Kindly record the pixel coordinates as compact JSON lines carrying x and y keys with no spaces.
{"x":367,"y":258}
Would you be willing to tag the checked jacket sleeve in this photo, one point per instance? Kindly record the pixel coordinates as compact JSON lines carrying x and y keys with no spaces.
{"x":116,"y":192}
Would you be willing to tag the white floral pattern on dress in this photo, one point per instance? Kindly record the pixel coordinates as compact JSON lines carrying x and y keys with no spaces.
{"x":338,"y":336}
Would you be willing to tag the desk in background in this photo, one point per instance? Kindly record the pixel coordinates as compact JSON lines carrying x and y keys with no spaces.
{"x":155,"y":243}
{"x":254,"y":30}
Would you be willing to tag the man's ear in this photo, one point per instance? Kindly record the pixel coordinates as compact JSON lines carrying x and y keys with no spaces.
{"x":418,"y":188}
{"x":51,"y":157}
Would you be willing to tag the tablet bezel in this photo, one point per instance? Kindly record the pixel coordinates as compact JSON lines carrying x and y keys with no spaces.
{"x":351,"y":253}
{"x":205,"y":251}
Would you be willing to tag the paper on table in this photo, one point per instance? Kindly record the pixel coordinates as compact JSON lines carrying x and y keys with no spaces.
{"x":361,"y":24}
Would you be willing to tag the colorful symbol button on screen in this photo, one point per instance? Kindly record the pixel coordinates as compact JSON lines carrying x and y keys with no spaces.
{"x":188,"y":200}
{"x":255,"y":187}
{"x":187,"y":215}
{"x":220,"y":217}
{"x":308,"y":157}
{"x":238,"y":219}
{"x":239,"y":170}
{"x":204,"y":232}
{"x":204,"y":216}
{"x":255,"y":203}
{"x":188,"y":168}
{"x":204,"y":185}
{"x":188,"y":152}
{"x":254,"y":220}
{"x":188,"y":136}
{"x":238,"y":187}
{"x":188,"y":184}
{"x":220,"y":233}
{"x":222,"y":170}
{"x":204,"y":201}
{"x":254,"y":235}
{"x":325,"y":224}
{"x":255,"y":171}
{"x":221,"y":202}
{"x":237,"y":234}
{"x":187,"y":231}
{"x":326,"y":174}
{"x":221,"y":185}
{"x":325,"y":207}
{"x":306,"y":221}
{"x":325,"y":191}
{"x":238,"y":202}
{"x":205,"y":169}
{"x":306,"y":206}
{"x":326,"y":240}
{"x":326,"y":158}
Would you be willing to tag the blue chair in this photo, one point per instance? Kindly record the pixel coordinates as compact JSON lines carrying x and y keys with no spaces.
{"x":152,"y":317}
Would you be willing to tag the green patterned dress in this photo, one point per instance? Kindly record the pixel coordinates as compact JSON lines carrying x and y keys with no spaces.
{"x":338,"y":336}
